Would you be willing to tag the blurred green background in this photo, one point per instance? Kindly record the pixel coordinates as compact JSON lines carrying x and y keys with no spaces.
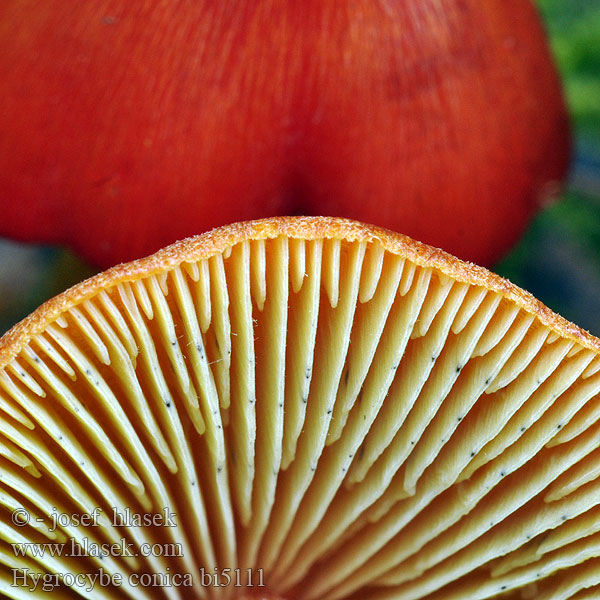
{"x":558,"y":259}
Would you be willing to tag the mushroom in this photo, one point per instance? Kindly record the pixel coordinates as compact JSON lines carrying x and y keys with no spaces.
{"x":166,"y":113}
{"x":310,"y":408}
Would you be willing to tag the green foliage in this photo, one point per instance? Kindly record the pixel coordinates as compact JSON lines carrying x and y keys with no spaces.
{"x":574,"y":30}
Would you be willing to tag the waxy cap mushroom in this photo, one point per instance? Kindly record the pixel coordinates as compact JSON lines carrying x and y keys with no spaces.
{"x":315,"y":408}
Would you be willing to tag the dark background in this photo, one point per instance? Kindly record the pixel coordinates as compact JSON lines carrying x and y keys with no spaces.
{"x":558,"y":259}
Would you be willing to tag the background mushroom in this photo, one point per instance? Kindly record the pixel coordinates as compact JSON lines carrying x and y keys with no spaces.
{"x":422,"y":116}
{"x":344,"y":411}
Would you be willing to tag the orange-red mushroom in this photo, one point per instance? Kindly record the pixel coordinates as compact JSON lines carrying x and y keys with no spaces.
{"x":127,"y":125}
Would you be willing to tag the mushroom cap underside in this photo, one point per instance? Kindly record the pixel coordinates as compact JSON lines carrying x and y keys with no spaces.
{"x":313,"y":407}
